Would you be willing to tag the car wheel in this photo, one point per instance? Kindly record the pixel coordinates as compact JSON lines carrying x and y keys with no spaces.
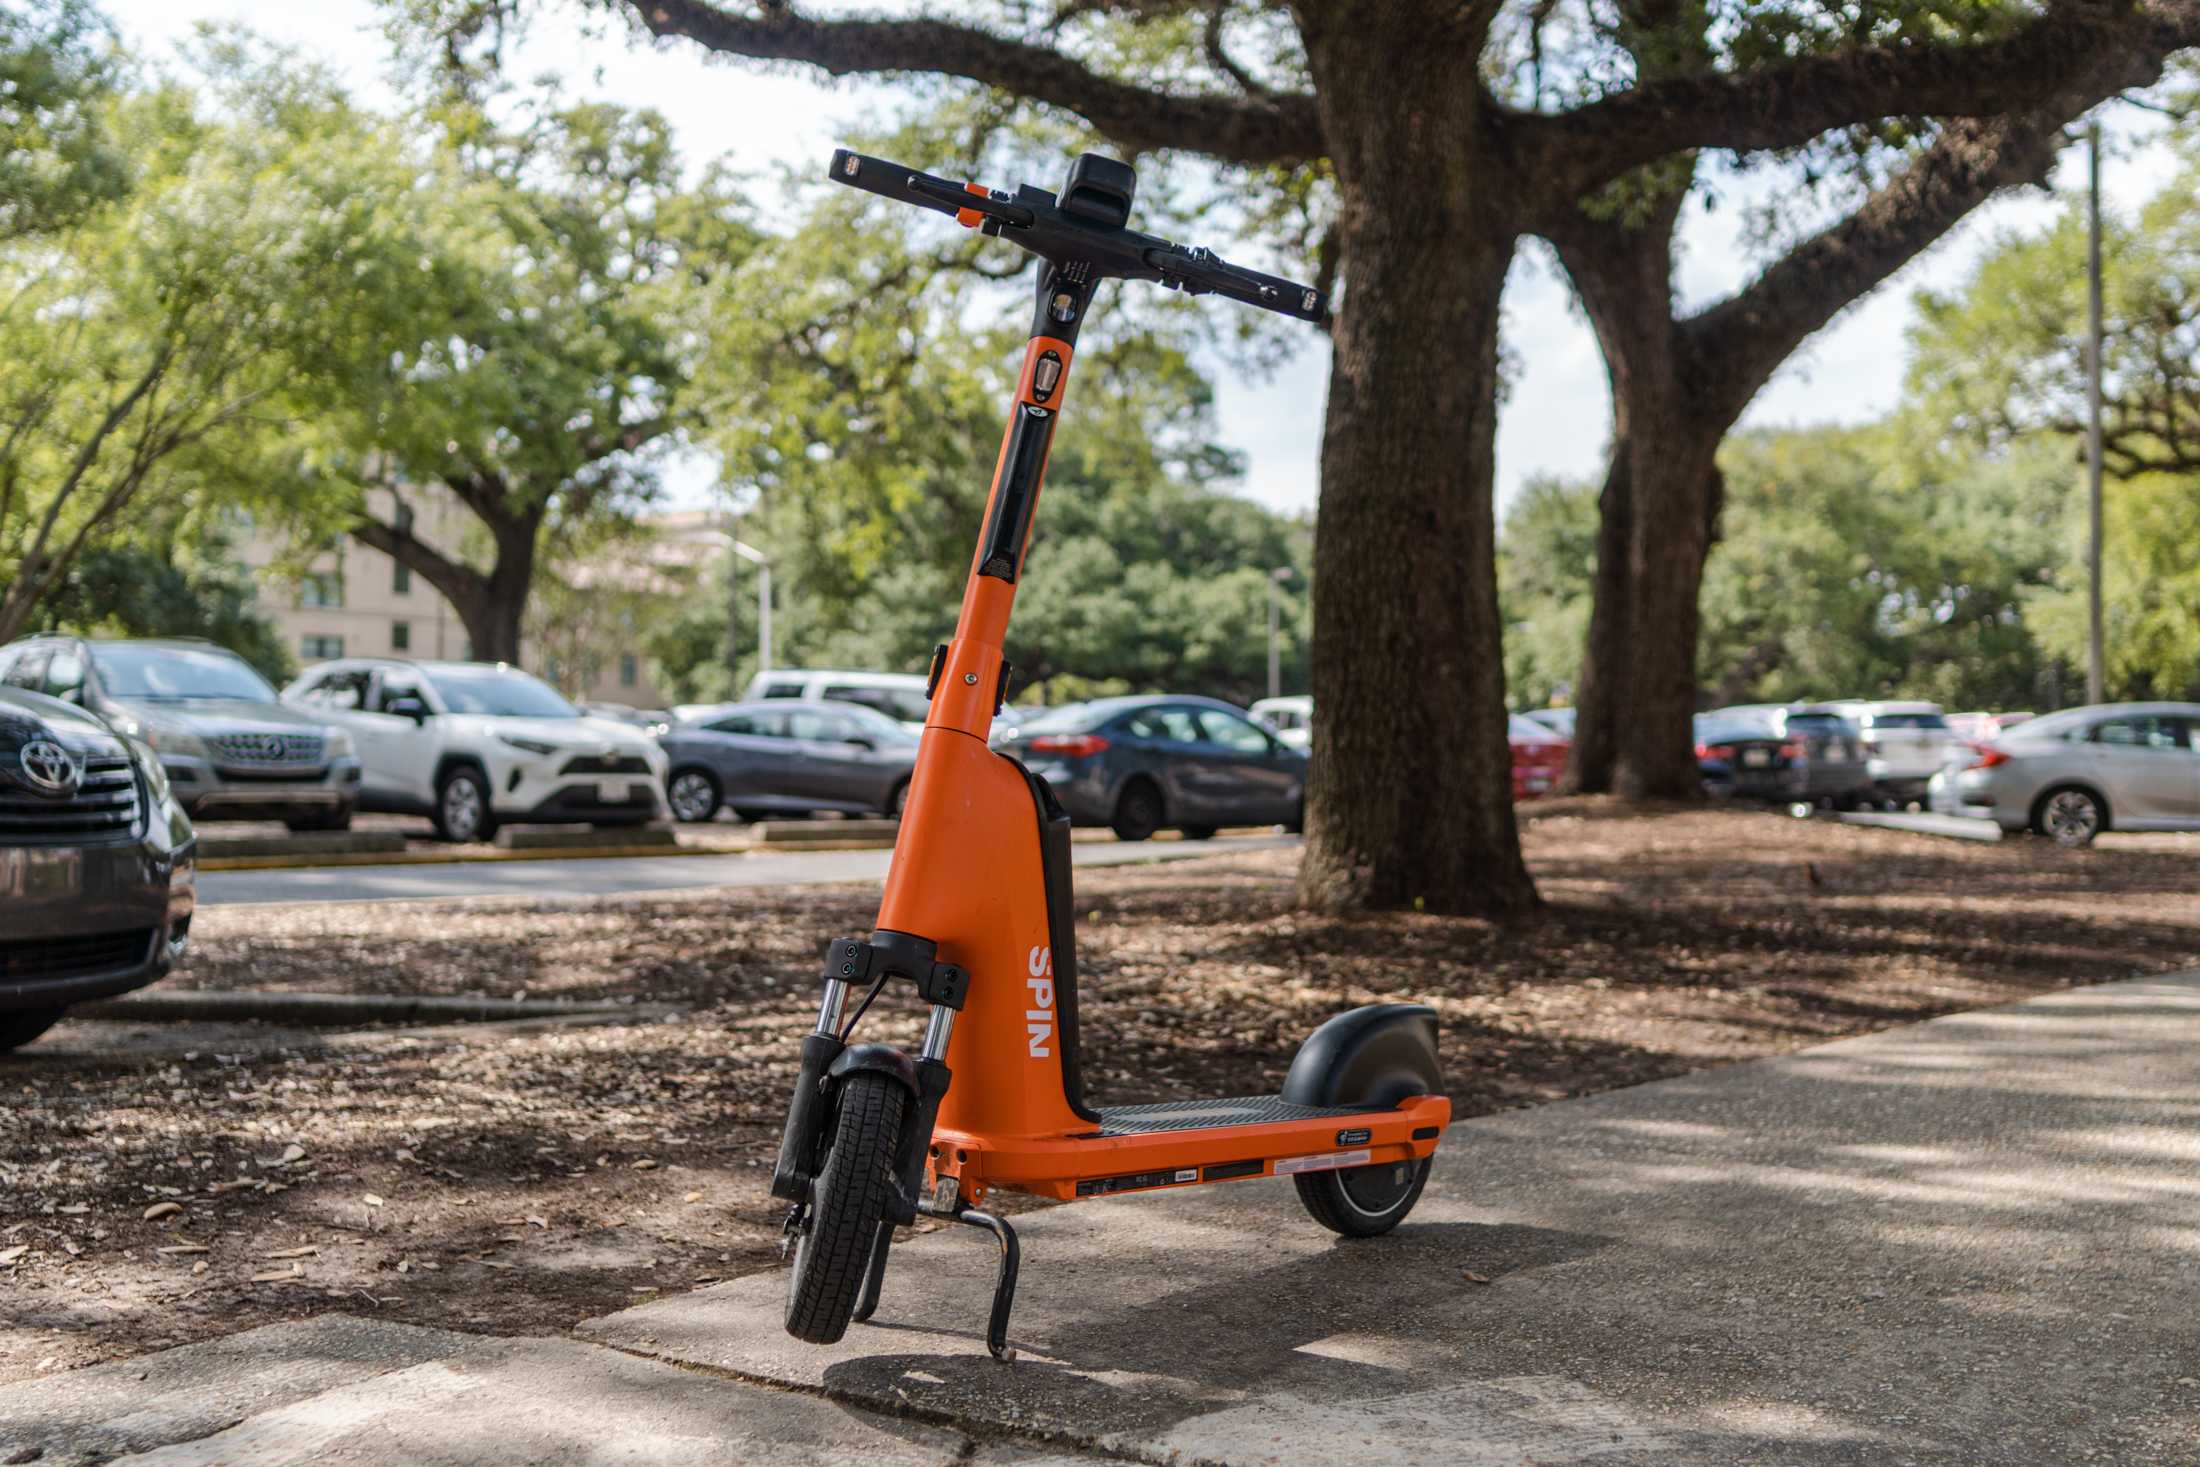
{"x":1199,"y":832}
{"x":2070,"y":817}
{"x":693,"y":795}
{"x":898,"y":800}
{"x":19,"y":1029}
{"x":1138,"y":811}
{"x":462,"y":811}
{"x":336,"y":819}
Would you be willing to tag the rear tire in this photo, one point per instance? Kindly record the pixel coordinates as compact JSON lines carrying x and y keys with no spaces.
{"x":848,"y":1203}
{"x":1364,"y":1201}
{"x":19,"y":1029}
{"x":1138,"y":812}
{"x":2070,"y":817}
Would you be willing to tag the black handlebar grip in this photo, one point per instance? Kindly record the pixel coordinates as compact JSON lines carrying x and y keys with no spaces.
{"x":890,"y":180}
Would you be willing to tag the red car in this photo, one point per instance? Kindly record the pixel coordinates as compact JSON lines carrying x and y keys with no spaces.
{"x":1539,"y":757}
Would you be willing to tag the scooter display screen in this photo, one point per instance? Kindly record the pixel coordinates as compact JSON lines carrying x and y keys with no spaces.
{"x":1010,"y":520}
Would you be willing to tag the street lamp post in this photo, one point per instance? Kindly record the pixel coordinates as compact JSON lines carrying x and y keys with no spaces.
{"x":1276,"y":578}
{"x":2096,"y":676}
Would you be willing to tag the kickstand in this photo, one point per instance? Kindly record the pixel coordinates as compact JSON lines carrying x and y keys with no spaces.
{"x":1004,"y":1285}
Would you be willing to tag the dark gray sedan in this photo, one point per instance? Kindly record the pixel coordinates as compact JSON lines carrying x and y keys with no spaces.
{"x":1144,"y":764}
{"x":781,"y":757}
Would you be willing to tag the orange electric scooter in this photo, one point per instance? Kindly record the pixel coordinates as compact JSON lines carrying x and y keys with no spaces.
{"x":978,"y":912}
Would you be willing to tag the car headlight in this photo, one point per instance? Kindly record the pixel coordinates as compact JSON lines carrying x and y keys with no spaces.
{"x":339,"y":744}
{"x":175,"y":741}
{"x":148,"y":763}
{"x":537,"y":747}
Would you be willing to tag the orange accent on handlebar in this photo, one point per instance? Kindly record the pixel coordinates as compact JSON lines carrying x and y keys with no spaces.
{"x":968,"y":218}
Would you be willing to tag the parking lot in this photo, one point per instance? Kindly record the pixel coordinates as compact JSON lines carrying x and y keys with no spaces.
{"x":526,"y":1175}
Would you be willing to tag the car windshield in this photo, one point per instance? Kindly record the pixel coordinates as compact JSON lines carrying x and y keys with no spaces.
{"x":178,"y":675}
{"x":1819,"y":723}
{"x":1908,"y":720}
{"x":501,"y":693}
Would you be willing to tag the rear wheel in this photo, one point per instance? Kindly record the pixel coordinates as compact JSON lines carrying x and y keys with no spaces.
{"x":693,"y":795}
{"x":19,"y":1029}
{"x":1138,"y":812}
{"x":2070,"y":817}
{"x":848,"y":1203}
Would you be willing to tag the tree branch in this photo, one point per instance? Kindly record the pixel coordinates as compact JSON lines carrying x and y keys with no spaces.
{"x":1251,"y":130}
{"x":1571,"y":153}
{"x":458,"y":582}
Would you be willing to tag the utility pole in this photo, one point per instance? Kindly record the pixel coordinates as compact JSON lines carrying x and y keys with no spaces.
{"x":1276,"y":578}
{"x":2096,"y":676}
{"x":763,"y":564}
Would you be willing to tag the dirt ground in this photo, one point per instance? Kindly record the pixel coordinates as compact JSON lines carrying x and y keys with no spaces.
{"x":524,"y":1178}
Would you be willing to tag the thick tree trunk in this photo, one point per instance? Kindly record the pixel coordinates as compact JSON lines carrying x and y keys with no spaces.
{"x":1676,"y":503}
{"x":1410,"y":798}
{"x":491,"y":605}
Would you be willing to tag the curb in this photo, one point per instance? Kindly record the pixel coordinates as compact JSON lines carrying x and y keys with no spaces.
{"x":306,"y":861}
{"x":332,"y":1009}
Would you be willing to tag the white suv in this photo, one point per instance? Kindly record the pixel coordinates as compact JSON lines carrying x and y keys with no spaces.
{"x":473,"y":745}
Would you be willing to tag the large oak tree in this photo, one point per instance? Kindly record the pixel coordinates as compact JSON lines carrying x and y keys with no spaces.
{"x":1436,"y":179}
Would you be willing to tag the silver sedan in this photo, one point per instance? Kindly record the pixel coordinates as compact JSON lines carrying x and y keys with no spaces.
{"x":2072,"y":775}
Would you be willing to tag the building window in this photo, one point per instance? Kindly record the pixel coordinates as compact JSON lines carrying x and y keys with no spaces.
{"x":401,"y":636}
{"x":314,"y":647}
{"x":321,"y":588}
{"x":630,"y":671}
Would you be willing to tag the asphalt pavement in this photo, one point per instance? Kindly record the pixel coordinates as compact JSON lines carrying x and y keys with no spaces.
{"x":634,"y":875}
{"x":1974,"y":1241}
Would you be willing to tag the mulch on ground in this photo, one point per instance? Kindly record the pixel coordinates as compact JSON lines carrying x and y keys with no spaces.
{"x":521,"y":1179}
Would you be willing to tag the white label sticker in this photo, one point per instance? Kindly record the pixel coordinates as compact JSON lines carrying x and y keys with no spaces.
{"x":1328,"y":1163}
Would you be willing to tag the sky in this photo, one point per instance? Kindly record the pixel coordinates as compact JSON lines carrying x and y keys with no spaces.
{"x":1557,"y":417}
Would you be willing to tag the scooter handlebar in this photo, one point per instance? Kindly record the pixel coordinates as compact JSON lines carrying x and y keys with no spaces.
{"x":1034,"y":220}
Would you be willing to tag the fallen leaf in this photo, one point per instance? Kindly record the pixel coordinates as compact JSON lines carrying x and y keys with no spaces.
{"x":371,"y":1200}
{"x":74,"y":1209}
{"x":292,"y":1152}
{"x":540,"y":1222}
{"x":278,"y":1275}
{"x":694,"y":1197}
{"x":1472,"y":1277}
{"x":646,"y":1164}
{"x":9,"y":1255}
{"x":162,"y":1209}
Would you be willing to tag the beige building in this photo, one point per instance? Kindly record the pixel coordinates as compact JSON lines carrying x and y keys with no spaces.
{"x":585,"y":636}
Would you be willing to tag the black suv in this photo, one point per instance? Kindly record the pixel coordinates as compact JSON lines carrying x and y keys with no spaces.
{"x":97,"y":864}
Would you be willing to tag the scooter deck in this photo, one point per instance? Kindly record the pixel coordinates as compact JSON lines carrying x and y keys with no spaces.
{"x":1214,"y":1115}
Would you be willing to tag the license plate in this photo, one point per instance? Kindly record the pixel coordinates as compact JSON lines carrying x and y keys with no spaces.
{"x":611,"y":791}
{"x":1756,"y":758}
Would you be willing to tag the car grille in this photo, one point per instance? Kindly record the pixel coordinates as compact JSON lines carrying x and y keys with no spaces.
{"x":268,"y":750}
{"x":606,"y":764}
{"x":42,"y":959}
{"x":105,"y":806}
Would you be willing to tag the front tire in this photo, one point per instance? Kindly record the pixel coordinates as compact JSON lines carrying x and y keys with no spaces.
{"x":2070,"y":817}
{"x":462,"y":812}
{"x":848,"y":1203}
{"x":693,"y":795}
{"x":1138,"y":812}
{"x":19,"y":1029}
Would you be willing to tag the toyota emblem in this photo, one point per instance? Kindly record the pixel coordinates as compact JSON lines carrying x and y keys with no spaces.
{"x":49,"y":768}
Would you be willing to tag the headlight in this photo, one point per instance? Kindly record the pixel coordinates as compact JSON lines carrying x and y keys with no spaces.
{"x":148,"y":763}
{"x":175,"y":741}
{"x":339,"y":744}
{"x":537,"y":747}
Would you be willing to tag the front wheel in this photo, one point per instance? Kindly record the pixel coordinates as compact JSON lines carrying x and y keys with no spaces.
{"x":462,"y":806}
{"x":847,"y":1203}
{"x":2070,"y":817}
{"x":19,"y":1029}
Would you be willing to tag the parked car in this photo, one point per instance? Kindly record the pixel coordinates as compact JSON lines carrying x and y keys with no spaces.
{"x":1785,"y":755}
{"x":1558,"y":720}
{"x":1905,"y":744}
{"x":1146,"y":764}
{"x":1979,"y":728}
{"x":2071,"y":775}
{"x":898,"y":695}
{"x":1290,"y":719}
{"x":473,"y":745}
{"x":97,"y":863}
{"x":1538,"y":757}
{"x":781,"y":758}
{"x":229,"y":748}
{"x":652,"y":721}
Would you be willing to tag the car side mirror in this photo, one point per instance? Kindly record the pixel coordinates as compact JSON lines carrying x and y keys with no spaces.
{"x":411,"y":708}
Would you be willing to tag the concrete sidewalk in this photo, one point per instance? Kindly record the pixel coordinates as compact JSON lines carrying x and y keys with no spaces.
{"x":1972,"y":1241}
